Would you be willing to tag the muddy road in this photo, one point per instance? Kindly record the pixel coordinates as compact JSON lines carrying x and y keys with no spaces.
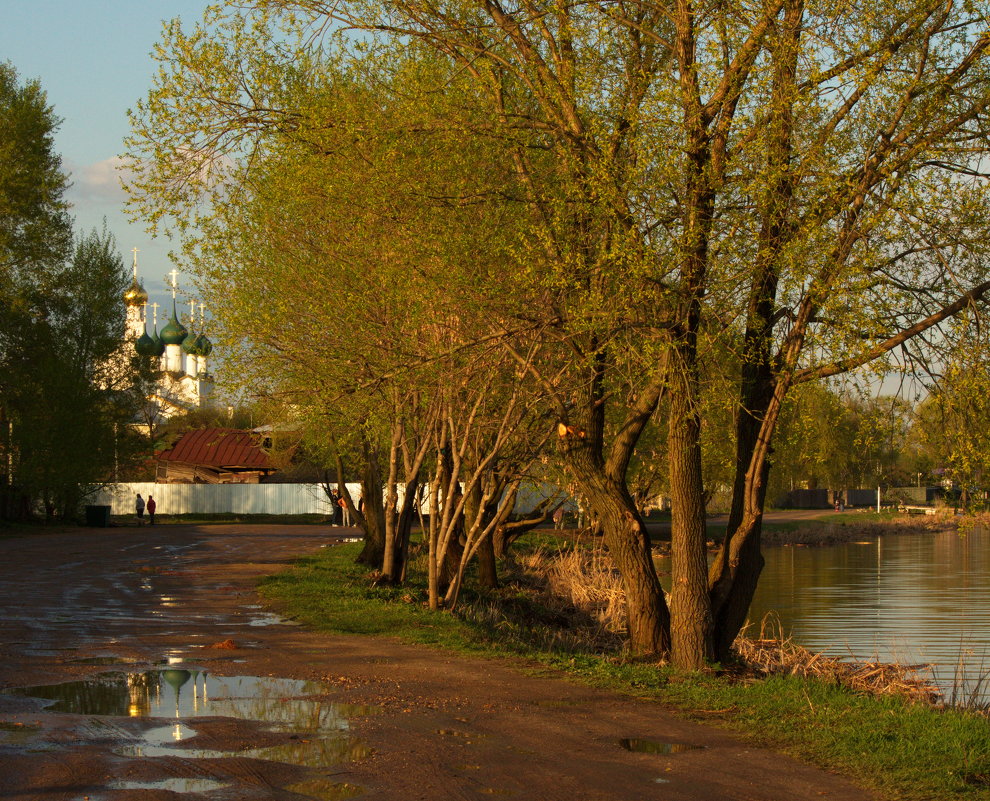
{"x":139,"y":664}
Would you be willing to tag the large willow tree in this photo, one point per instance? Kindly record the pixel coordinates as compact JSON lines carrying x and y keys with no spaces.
{"x":785,"y":190}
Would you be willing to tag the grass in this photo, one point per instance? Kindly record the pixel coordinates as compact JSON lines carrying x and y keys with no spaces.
{"x":898,"y":748}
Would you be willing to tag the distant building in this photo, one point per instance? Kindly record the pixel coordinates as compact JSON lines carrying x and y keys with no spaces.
{"x":186,"y":382}
{"x":215,"y":456}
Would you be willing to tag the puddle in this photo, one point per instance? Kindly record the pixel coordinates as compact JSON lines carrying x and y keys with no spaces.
{"x":182,"y":692}
{"x":186,"y":691}
{"x":175,"y":733}
{"x":322,"y":752}
{"x":325,"y":790}
{"x":174,"y":785}
{"x":271,"y":620}
{"x":642,"y":746}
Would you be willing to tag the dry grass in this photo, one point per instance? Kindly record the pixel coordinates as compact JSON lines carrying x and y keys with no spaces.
{"x":770,"y":653}
{"x":587,"y":580}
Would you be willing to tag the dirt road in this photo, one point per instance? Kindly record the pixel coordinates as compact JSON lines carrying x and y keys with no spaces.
{"x":119,"y":626}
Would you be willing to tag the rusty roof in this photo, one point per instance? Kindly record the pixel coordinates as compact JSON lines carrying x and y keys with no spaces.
{"x":218,"y":447}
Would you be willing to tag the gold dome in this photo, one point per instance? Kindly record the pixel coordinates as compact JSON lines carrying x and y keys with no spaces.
{"x":135,"y":294}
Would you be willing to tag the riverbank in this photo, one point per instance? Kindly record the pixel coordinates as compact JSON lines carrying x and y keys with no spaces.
{"x":896,"y":745}
{"x":854,"y":526}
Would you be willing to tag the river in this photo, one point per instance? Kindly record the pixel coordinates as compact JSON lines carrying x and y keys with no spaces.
{"x":907,"y":598}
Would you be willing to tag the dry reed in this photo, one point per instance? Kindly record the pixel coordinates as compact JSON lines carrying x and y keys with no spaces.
{"x":587,"y":581}
{"x":771,"y":653}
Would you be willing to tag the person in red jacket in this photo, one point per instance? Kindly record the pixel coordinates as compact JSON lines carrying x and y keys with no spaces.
{"x":150,"y":506}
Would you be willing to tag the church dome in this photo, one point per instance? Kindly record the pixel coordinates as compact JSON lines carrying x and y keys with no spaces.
{"x":204,"y":345}
{"x":190,"y":344}
{"x":159,"y":346}
{"x":135,"y":295}
{"x":174,"y":332}
{"x":145,"y":345}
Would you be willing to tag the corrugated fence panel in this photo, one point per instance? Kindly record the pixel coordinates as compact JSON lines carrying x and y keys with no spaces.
{"x":178,"y":499}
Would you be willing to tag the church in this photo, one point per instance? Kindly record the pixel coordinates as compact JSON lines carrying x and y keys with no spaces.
{"x":186,"y":382}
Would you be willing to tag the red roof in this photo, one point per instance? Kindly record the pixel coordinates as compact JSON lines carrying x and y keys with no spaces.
{"x":218,"y":447}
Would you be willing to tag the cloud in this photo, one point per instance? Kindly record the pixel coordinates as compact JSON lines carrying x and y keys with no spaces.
{"x":99,"y":182}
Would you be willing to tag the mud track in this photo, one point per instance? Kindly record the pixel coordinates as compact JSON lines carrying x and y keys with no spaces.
{"x":414,"y":723}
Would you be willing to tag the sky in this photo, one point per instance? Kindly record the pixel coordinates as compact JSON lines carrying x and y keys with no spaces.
{"x":93,"y":59}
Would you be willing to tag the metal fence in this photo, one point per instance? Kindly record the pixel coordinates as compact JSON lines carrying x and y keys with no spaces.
{"x":244,"y":499}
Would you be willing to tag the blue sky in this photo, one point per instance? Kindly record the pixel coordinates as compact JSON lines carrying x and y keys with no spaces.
{"x":93,"y":59}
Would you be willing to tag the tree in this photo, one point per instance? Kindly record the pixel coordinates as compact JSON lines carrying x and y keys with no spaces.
{"x":67,"y":399}
{"x":791,"y":190}
{"x":63,"y":400}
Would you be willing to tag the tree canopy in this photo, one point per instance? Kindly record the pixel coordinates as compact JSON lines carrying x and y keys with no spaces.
{"x":663,"y":215}
{"x":64,"y":400}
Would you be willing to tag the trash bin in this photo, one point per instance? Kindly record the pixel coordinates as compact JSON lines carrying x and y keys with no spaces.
{"x":98,"y":516}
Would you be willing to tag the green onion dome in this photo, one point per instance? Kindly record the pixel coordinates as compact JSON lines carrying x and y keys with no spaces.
{"x":190,"y":344}
{"x":174,"y":332}
{"x":159,"y":346}
{"x":204,"y":344}
{"x":145,"y":345}
{"x":135,"y":295}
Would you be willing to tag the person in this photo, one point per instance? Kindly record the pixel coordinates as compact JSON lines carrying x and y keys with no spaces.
{"x":150,"y":506}
{"x":139,"y":508}
{"x":334,"y":508}
{"x":345,"y":513}
{"x":558,"y":518}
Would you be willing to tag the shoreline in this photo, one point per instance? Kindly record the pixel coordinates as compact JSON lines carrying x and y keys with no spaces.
{"x":834,"y":532}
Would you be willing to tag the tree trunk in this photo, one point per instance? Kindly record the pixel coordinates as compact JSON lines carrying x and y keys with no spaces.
{"x":736,"y":570}
{"x":487,"y":566}
{"x":628,"y":543}
{"x":690,"y":607}
{"x":373,"y":552}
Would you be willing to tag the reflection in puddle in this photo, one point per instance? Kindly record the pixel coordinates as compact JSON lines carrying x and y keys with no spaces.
{"x":316,"y":730}
{"x":185,"y":691}
{"x":168,"y":734}
{"x":175,"y":785}
{"x":642,"y":746}
{"x":325,"y":790}
{"x":322,"y":752}
{"x":271,"y":620}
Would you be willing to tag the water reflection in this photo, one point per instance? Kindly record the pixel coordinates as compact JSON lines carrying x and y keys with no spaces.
{"x":181,"y":692}
{"x":189,"y":692}
{"x":907,"y":598}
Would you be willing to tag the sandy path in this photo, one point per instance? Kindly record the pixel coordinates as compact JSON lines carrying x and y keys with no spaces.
{"x":426,"y":725}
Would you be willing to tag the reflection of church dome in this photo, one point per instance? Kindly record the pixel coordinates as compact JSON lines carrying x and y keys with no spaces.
{"x":135,"y":295}
{"x":174,"y":332}
{"x":176,"y":677}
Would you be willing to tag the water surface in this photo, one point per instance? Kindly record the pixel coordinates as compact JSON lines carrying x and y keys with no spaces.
{"x":909,"y":598}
